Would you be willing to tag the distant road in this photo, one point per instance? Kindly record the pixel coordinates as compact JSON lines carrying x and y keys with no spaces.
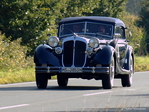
{"x":80,"y":95}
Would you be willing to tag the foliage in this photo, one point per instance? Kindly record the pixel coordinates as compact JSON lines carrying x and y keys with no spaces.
{"x":138,"y":34}
{"x":13,"y":55}
{"x":144,"y":16}
{"x":32,"y":19}
{"x":141,"y":63}
{"x":112,"y":8}
{"x":134,"y":6}
{"x":78,"y":7}
{"x":26,"y":19}
{"x":142,"y":49}
{"x":143,"y":22}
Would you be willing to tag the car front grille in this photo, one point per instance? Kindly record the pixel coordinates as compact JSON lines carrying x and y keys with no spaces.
{"x":74,"y":53}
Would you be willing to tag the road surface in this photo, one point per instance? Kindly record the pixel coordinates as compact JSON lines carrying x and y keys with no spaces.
{"x":79,"y":96}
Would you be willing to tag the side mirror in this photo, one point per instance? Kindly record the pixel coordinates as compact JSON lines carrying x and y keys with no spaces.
{"x":130,"y":34}
{"x":117,"y":35}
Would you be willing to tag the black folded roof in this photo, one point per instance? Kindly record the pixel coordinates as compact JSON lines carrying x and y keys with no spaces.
{"x":93,"y":18}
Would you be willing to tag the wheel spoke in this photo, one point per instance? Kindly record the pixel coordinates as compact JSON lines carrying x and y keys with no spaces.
{"x":108,"y":79}
{"x":127,"y":79}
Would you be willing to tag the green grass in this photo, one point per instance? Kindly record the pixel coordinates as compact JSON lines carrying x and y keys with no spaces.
{"x":27,"y":75}
{"x":141,"y":63}
{"x":17,"y":76}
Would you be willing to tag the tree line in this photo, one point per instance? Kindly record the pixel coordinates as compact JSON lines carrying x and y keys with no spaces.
{"x":31,"y":20}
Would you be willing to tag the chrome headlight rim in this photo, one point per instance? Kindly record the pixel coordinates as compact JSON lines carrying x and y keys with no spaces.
{"x":53,"y":41}
{"x":94,"y":42}
{"x":58,"y":50}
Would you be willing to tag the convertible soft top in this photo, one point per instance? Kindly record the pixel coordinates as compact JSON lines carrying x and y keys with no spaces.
{"x":93,"y":18}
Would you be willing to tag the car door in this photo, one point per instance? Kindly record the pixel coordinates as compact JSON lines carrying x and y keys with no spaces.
{"x":121,"y":45}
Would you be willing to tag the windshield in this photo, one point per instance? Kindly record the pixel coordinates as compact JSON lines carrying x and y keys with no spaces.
{"x":86,"y":28}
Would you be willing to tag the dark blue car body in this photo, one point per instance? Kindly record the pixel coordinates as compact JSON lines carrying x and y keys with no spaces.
{"x":87,"y":54}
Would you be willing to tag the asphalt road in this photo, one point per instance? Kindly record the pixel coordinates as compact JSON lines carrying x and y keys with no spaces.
{"x":79,"y":96}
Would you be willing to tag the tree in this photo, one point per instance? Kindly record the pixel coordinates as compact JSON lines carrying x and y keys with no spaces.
{"x":144,"y":21}
{"x":134,"y":6}
{"x":136,"y":39}
{"x":112,"y":8}
{"x":27,"y":19}
{"x":32,"y":19}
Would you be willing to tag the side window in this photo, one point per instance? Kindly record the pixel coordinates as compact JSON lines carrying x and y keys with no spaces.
{"x":121,"y":31}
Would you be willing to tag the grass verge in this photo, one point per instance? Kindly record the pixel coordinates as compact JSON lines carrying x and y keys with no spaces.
{"x":141,"y":63}
{"x":27,"y":75}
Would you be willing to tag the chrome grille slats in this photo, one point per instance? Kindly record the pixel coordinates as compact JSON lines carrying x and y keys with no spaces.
{"x":80,"y":48}
{"x":74,"y":52}
{"x":68,"y":53}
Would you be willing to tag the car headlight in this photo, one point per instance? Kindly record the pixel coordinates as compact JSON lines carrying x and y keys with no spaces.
{"x":94,"y":42}
{"x":53,"y":41}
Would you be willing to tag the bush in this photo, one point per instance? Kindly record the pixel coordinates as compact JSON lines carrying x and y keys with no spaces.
{"x":13,"y":55}
{"x":137,"y":33}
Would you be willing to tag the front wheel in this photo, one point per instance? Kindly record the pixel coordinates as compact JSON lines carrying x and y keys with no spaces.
{"x":108,"y":79}
{"x":62,"y":80}
{"x":127,"y":79}
{"x":41,"y":80}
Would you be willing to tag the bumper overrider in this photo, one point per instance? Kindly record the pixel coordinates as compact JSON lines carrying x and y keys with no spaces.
{"x":47,"y":69}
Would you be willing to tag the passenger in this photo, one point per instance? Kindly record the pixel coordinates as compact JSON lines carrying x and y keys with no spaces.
{"x":76,"y":28}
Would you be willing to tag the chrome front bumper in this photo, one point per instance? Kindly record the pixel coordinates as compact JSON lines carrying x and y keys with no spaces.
{"x":47,"y":69}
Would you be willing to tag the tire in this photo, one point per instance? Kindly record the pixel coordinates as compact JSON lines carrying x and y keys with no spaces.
{"x":41,"y":80}
{"x":108,"y":79}
{"x":127,"y":79}
{"x":62,"y":80}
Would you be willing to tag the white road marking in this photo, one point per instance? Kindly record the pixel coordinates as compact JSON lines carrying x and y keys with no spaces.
{"x":97,"y":93}
{"x":14,"y":106}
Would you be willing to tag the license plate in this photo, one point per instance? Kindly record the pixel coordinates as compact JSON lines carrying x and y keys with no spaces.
{"x":71,"y":70}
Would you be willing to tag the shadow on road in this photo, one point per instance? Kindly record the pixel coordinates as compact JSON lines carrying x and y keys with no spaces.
{"x":32,"y":87}
{"x":51,"y":88}
{"x":136,"y":95}
{"x":123,"y":109}
{"x":74,"y":88}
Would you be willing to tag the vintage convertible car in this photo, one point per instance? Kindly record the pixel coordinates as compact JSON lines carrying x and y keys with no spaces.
{"x":91,"y":47}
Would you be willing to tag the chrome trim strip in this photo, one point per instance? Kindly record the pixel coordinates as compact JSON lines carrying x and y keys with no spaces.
{"x":40,"y":69}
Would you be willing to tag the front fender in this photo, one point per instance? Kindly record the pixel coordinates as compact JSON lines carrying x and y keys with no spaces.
{"x":129,"y":54}
{"x":104,"y":55}
{"x":43,"y":55}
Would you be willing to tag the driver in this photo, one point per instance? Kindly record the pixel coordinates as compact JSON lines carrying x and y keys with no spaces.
{"x":102,"y":29}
